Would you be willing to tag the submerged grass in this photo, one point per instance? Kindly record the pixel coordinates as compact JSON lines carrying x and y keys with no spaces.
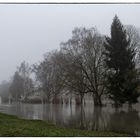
{"x":14,"y":126}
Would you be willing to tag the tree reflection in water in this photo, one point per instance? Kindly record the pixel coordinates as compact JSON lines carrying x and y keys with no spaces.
{"x":122,"y":121}
{"x":92,"y":119}
{"x":100,"y":119}
{"x":81,"y":117}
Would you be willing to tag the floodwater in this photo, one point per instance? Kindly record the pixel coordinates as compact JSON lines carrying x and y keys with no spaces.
{"x":72,"y":116}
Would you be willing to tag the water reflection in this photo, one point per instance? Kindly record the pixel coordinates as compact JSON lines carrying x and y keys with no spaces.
{"x":85,"y":117}
{"x":125,"y":122}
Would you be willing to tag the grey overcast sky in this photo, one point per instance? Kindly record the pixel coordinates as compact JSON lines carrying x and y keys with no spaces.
{"x":27,"y":31}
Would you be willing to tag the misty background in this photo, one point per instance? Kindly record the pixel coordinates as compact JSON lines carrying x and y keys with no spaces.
{"x":27,"y":31}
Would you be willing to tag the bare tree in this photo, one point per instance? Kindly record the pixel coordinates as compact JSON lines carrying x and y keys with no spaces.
{"x":134,"y":36}
{"x":49,"y":76}
{"x":72,"y":76}
{"x":84,"y":66}
{"x":4,"y":91}
{"x":24,"y":71}
{"x":17,"y":88}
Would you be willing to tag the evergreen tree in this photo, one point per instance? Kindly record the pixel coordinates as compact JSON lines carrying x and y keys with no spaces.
{"x":122,"y":75}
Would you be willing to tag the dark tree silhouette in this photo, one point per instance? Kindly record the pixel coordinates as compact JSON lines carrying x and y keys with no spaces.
{"x":122,"y":75}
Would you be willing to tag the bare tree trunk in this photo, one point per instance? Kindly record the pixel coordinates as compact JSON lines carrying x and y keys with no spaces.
{"x":97,"y":100}
{"x":81,"y":99}
{"x":70,"y":98}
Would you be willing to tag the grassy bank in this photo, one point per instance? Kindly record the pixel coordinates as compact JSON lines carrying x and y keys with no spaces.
{"x":13,"y":126}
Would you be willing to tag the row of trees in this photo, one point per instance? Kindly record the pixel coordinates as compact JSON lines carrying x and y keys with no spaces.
{"x":88,"y":63}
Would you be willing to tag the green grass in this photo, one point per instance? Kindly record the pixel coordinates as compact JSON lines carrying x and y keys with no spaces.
{"x":14,"y":126}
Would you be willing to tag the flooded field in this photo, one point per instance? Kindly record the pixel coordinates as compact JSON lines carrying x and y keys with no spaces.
{"x":72,"y":116}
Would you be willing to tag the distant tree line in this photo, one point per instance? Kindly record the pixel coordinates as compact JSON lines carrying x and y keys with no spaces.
{"x":88,"y":63}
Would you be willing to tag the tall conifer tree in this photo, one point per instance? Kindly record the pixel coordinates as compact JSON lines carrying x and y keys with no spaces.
{"x":122,"y":75}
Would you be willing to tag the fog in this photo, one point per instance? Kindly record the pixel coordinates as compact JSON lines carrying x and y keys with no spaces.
{"x":27,"y":31}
